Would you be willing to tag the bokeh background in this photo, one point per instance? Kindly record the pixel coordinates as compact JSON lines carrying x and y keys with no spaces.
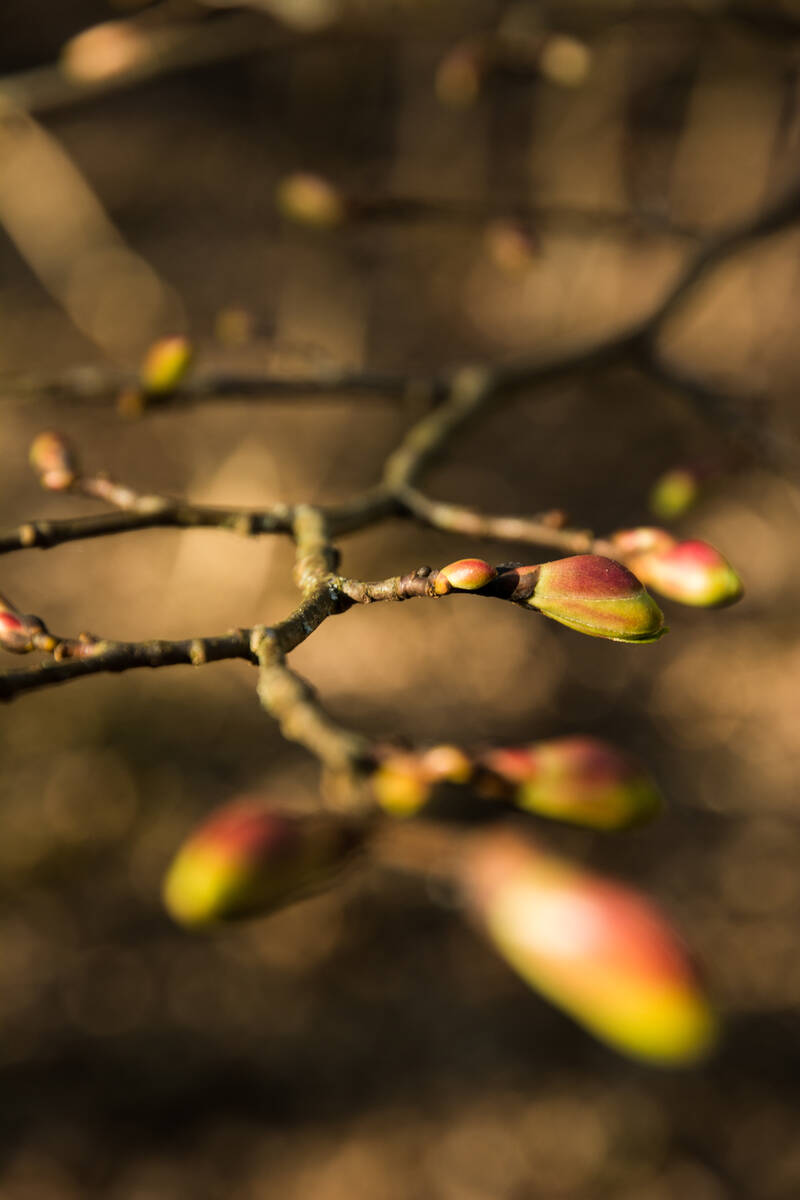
{"x":365,"y":1044}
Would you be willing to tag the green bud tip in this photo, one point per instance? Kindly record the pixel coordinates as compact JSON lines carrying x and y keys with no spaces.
{"x":464,"y":575}
{"x":596,"y":596}
{"x":165,"y":365}
{"x":580,"y":780}
{"x":593,"y":947}
{"x":674,"y":493}
{"x":246,"y":859}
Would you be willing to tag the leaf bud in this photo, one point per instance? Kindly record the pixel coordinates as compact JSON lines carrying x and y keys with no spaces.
{"x":464,"y":575}
{"x":54,"y":461}
{"x":246,"y":860}
{"x":674,"y":493}
{"x":15,"y":632}
{"x":593,"y":947}
{"x":404,"y":780}
{"x":310,"y":200}
{"x":597,"y":596}
{"x":581,"y":780}
{"x":691,"y":572}
{"x":165,"y":365}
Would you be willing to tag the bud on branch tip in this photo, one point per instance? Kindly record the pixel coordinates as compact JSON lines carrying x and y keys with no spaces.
{"x":597,"y":596}
{"x":690,"y":572}
{"x":54,"y":461}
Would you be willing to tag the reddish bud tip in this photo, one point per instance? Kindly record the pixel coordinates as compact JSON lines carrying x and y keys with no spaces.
{"x":466,"y":575}
{"x":597,"y":596}
{"x":310,"y":200}
{"x":246,"y":860}
{"x":165,"y":365}
{"x":690,"y":572}
{"x":15,"y":634}
{"x":53,"y":460}
{"x":595,"y":948}
{"x":674,"y":493}
{"x":580,"y":780}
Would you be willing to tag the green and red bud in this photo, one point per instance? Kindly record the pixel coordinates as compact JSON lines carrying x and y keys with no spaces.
{"x":246,"y":859}
{"x":404,"y":780}
{"x":54,"y":461}
{"x":580,"y":780}
{"x":674,"y":493}
{"x":464,"y":575}
{"x":165,"y":365}
{"x":592,"y":594}
{"x":690,"y":572}
{"x":593,"y":947}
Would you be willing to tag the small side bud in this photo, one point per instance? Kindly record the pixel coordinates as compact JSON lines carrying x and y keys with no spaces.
{"x":404,"y":781}
{"x":691,"y":572}
{"x":165,"y":365}
{"x":464,"y":575}
{"x":54,"y":461}
{"x":596,"y":596}
{"x":674,"y":493}
{"x":310,"y":200}
{"x":593,"y":947}
{"x":580,"y":780}
{"x":246,"y":860}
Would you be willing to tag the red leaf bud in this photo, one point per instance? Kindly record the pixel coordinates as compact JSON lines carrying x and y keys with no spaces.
{"x":580,"y":780}
{"x":245,"y":860}
{"x":691,"y":572}
{"x":593,"y":947}
{"x":596,"y":596}
{"x":465,"y":575}
{"x":53,"y":460}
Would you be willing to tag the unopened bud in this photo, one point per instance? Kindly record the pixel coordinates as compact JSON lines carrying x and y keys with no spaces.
{"x":54,"y":461}
{"x":674,"y":493}
{"x":593,"y":947}
{"x":165,"y":365}
{"x":596,"y":596}
{"x":310,"y":200}
{"x":245,"y":860}
{"x":404,"y":781}
{"x":464,"y":575}
{"x":691,"y":572}
{"x":15,"y":634}
{"x":581,"y":780}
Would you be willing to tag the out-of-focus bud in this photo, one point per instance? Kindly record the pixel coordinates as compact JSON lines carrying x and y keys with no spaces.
{"x":53,"y":460}
{"x":15,"y":633}
{"x":674,"y":493}
{"x":165,"y":365}
{"x":690,"y":572}
{"x":460,"y":73}
{"x":245,"y":860}
{"x":310,"y":200}
{"x":596,"y":596}
{"x":465,"y":575}
{"x":404,"y":781}
{"x":595,"y":948}
{"x":565,"y":61}
{"x":509,"y":246}
{"x":581,"y":780}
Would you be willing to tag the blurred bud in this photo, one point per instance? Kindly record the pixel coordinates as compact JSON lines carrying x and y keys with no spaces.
{"x":690,"y":572}
{"x":593,"y":947}
{"x":674,"y":493}
{"x":15,"y":633}
{"x":310,"y":200}
{"x":565,"y":61}
{"x":404,"y":781}
{"x":165,"y":365}
{"x":246,"y":859}
{"x":596,"y":596}
{"x":459,"y":75}
{"x":581,"y":780}
{"x":465,"y":575}
{"x":509,"y":247}
{"x":54,"y":461}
